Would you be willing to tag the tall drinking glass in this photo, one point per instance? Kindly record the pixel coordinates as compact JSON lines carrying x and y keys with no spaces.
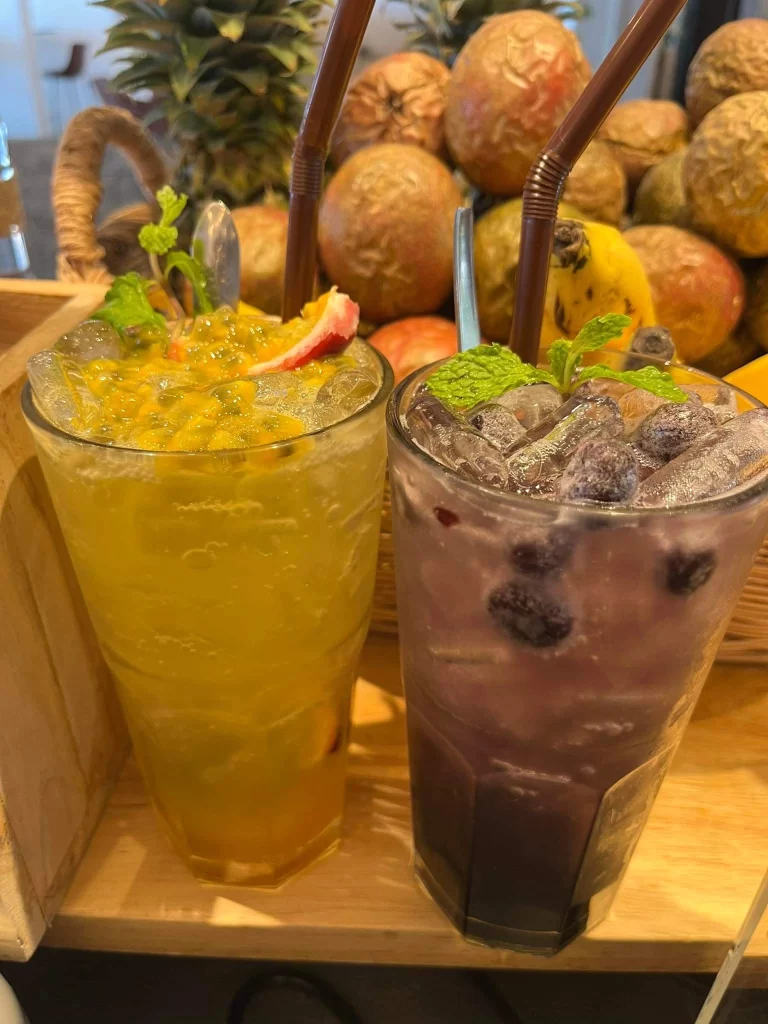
{"x":231,"y":593}
{"x":534,"y":766}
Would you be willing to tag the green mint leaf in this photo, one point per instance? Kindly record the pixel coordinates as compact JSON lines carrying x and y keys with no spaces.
{"x":158,"y":239}
{"x":195,"y":273}
{"x":482,"y":374}
{"x":650,"y":378}
{"x":171,"y":205}
{"x":557,"y":354}
{"x":127,"y":306}
{"x":593,"y":336}
{"x":599,"y":331}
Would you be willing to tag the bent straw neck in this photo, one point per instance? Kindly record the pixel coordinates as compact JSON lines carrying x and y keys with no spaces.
{"x":547,"y":177}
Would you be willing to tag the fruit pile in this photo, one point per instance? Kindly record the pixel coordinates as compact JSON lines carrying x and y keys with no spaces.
{"x":660,"y":212}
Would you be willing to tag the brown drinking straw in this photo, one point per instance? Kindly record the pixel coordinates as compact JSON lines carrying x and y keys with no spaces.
{"x":546,"y":179}
{"x":342,"y":45}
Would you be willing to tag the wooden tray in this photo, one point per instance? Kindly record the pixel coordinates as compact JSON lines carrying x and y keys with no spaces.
{"x":62,"y":741}
{"x":688,"y":887}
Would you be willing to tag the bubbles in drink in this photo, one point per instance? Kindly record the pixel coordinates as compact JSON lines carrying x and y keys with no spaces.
{"x":93,"y":339}
{"x":62,"y":393}
{"x":497,"y":425}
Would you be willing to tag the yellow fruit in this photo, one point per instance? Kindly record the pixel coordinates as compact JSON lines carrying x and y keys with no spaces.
{"x":594,"y":272}
{"x":752,"y":378}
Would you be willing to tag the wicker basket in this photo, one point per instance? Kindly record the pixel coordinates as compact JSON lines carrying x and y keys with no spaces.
{"x":90,"y":254}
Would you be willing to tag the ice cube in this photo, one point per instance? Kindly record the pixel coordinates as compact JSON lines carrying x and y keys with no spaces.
{"x":62,"y":393}
{"x":726,"y":458}
{"x":532,"y":403}
{"x":93,"y":339}
{"x":446,"y":439}
{"x":534,"y":469}
{"x":650,"y":341}
{"x":718,"y":398}
{"x":647,"y":464}
{"x":602,"y":470}
{"x":615,"y":389}
{"x":635,"y":406}
{"x":672,"y":428}
{"x":343,"y":394}
{"x":497,"y":425}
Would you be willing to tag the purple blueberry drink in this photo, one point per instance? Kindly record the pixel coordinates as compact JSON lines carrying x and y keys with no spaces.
{"x":562,"y":591}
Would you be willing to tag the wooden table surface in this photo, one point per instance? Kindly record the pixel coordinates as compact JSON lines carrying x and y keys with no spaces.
{"x":687,"y":890}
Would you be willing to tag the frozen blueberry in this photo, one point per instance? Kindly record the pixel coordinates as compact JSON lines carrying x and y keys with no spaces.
{"x":674,"y":427}
{"x":687,"y":571}
{"x":529,"y":615}
{"x":651,"y":341}
{"x":445,"y":516}
{"x":604,"y":471}
{"x":544,"y":554}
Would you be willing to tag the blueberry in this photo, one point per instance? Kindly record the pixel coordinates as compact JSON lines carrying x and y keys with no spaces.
{"x":687,"y":571}
{"x":546,"y":554}
{"x":604,"y":471}
{"x":528,"y":615}
{"x":445,"y":516}
{"x":651,"y":341}
{"x":667,"y":432}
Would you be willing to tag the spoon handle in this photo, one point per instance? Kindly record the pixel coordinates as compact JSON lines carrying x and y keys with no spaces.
{"x":464,"y":293}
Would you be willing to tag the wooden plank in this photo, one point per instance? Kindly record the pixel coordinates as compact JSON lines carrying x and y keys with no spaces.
{"x":61,"y":734}
{"x":685,"y":894}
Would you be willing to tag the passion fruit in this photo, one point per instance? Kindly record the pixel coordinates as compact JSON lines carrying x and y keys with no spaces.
{"x":386,"y":231}
{"x":725,"y":174}
{"x":698,"y":291}
{"x":510,"y":87}
{"x":731,"y":61}
{"x":399,"y":98}
{"x":661,"y":196}
{"x":263,"y":234}
{"x":414,"y":342}
{"x":756,"y":313}
{"x":597,"y":185}
{"x":642,"y":133}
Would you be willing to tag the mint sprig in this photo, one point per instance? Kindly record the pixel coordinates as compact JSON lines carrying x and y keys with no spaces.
{"x":488,"y":371}
{"x":194,"y":271}
{"x":127,"y":306}
{"x":482,"y":374}
{"x":159,"y":239}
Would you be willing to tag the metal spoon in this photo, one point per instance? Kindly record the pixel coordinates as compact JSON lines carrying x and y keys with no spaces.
{"x":464,"y":294}
{"x":216,"y":243}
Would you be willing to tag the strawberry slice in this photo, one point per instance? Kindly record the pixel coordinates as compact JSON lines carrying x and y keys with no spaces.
{"x":336,"y":318}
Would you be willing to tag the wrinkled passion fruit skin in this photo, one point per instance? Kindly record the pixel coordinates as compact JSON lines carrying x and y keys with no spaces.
{"x":730,"y":61}
{"x":698,"y":291}
{"x":386,"y":231}
{"x":263,"y":234}
{"x":726,"y":174}
{"x":642,"y":133}
{"x":510,"y":87}
{"x":399,"y":98}
{"x":661,"y":197}
{"x":597,"y":185}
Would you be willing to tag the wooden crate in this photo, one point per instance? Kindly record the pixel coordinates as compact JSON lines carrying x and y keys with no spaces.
{"x":62,"y":740}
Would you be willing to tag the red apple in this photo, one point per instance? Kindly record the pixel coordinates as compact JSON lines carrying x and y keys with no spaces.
{"x":414,"y":342}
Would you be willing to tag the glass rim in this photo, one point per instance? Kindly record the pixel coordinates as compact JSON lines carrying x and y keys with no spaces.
{"x":35,"y":417}
{"x":749,"y":491}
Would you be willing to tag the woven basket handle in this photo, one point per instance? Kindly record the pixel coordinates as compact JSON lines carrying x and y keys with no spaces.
{"x":77,"y":190}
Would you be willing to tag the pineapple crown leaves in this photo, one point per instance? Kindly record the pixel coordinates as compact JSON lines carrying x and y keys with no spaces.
{"x":228,"y":76}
